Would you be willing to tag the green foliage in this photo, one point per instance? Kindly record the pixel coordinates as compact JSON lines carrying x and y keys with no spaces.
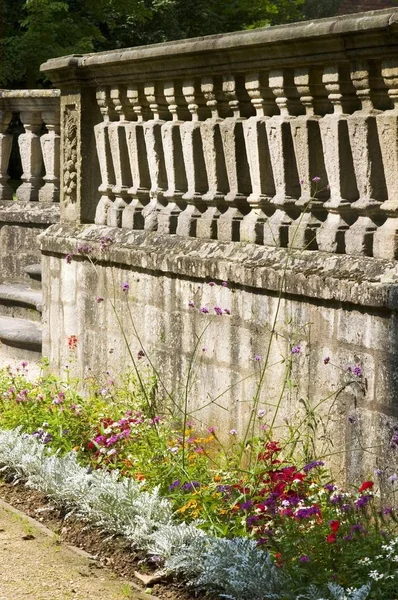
{"x":32,"y":31}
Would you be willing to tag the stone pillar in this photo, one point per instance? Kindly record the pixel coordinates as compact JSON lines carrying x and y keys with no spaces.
{"x":31,"y":156}
{"x":174,"y":161}
{"x":287,"y":189}
{"x":194,"y":161}
{"x":6,"y":192}
{"x":310,"y":164}
{"x":262,"y":180}
{"x":385,"y":238}
{"x":156,"y":162}
{"x":119,"y":153}
{"x":101,"y":132}
{"x":236,"y":162}
{"x":338,"y":162}
{"x":139,"y":192}
{"x":50,"y":147}
{"x":214,"y":160}
{"x":368,"y":167}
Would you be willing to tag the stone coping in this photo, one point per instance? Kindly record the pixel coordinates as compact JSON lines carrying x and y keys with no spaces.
{"x":41,"y":213}
{"x":29,"y":100}
{"x":360,"y":281}
{"x":371,"y":33}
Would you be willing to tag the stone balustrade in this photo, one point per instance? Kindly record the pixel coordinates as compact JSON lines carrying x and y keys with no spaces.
{"x":286,"y":136}
{"x":39,"y":144}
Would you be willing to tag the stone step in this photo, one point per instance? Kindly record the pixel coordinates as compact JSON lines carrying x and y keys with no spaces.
{"x":20,"y":301}
{"x":20,"y":333}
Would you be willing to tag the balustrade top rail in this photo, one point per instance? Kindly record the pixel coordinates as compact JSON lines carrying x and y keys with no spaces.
{"x":284,"y":136}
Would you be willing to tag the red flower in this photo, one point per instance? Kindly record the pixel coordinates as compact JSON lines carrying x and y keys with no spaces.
{"x":72,"y":342}
{"x":334,"y":526}
{"x":367,"y":485}
{"x":331,"y":538}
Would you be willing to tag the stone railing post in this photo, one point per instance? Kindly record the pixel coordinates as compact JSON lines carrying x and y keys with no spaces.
{"x":139,"y":192}
{"x":6,"y":192}
{"x":338,"y":162}
{"x":174,"y":161}
{"x":257,"y":149}
{"x":236,"y":163}
{"x":31,"y":156}
{"x":215,"y":163}
{"x":385,"y":238}
{"x":310,"y":163}
{"x":156,"y":162}
{"x":50,"y":147}
{"x":101,"y":132}
{"x":287,"y":189}
{"x":120,"y":159}
{"x":366,"y":157}
{"x":194,"y":161}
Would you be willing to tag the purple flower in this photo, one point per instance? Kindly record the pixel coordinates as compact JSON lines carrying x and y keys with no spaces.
{"x":251,"y":520}
{"x":204,"y":310}
{"x":68,"y":258}
{"x":227,"y":311}
{"x":191,"y":485}
{"x":296,"y":349}
{"x":218,"y":310}
{"x":224,"y":284}
{"x":211,"y":429}
{"x":233,"y":432}
{"x":330,"y":487}
{"x":211,"y":283}
{"x":140,"y":354}
{"x":394,"y":440}
{"x":305,"y":513}
{"x":363,"y":501}
{"x":326,"y":360}
{"x":174,"y":485}
{"x":191,"y":304}
{"x":99,"y":299}
{"x":313,"y":465}
{"x":125,"y":286}
{"x":378,"y":472}
{"x":84,"y":249}
{"x":316,"y":179}
{"x":357,"y":371}
{"x":257,"y":358}
{"x":304,"y":558}
{"x":393,"y":478}
{"x":246,"y":505}
{"x":352,"y":419}
{"x":24,"y":364}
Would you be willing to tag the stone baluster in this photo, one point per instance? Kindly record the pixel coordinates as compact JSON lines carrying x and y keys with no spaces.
{"x":174,"y":160}
{"x":139,"y":192}
{"x":101,"y":132}
{"x":156,"y":161}
{"x":6,"y":192}
{"x":338,"y":162}
{"x":262,"y":180}
{"x":195,"y":167}
{"x":232,"y":135}
{"x":214,"y":161}
{"x":31,"y":156}
{"x":119,"y":153}
{"x":385,"y":238}
{"x":50,"y":147}
{"x":287,"y":189}
{"x":368,"y":168}
{"x":310,"y":164}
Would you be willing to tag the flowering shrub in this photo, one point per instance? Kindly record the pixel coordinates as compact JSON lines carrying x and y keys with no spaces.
{"x":310,"y":530}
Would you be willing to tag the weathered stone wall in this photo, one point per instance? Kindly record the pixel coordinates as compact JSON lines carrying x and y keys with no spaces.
{"x":334,"y":307}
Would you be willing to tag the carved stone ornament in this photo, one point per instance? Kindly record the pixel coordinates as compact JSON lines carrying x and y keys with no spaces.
{"x":70,"y":155}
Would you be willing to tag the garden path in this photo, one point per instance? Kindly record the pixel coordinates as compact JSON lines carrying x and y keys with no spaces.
{"x":34,"y":565}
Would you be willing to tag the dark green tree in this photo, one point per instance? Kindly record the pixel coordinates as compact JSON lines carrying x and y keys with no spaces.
{"x":32,"y":31}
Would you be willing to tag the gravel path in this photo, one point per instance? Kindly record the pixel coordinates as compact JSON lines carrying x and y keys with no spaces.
{"x":33,"y":565}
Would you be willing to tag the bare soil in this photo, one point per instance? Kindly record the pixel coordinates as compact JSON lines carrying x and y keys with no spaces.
{"x":111,"y":552}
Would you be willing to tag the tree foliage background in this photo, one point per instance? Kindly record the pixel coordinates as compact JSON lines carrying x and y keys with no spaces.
{"x":32,"y":31}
